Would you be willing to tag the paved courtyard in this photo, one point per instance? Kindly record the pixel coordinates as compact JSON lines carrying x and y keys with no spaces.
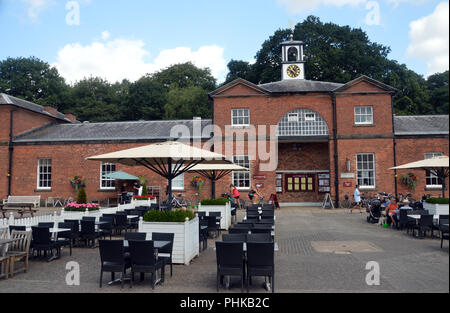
{"x":319,"y":251}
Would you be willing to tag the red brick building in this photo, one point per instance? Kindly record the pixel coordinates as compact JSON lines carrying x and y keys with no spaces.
{"x":326,"y":137}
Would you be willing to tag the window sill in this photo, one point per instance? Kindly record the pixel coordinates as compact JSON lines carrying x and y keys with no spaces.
{"x":240,"y":126}
{"x":367,"y":188}
{"x":436,"y":187}
{"x":364,"y":125}
{"x":43,"y":190}
{"x":106,"y":190}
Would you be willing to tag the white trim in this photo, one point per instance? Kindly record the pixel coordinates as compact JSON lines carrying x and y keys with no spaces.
{"x":101,"y":177}
{"x":363,"y":123}
{"x":38,"y":187}
{"x":374,"y":171}
{"x":249,"y":172}
{"x":240,"y":125}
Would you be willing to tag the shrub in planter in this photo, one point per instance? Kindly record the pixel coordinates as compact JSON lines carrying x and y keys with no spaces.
{"x":81,"y":196}
{"x":438,"y":200}
{"x":144,"y":197}
{"x":76,"y":207}
{"x":214,"y":202}
{"x":178,"y":216}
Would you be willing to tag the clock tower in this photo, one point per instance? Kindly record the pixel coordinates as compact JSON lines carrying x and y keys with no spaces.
{"x":293,"y":60}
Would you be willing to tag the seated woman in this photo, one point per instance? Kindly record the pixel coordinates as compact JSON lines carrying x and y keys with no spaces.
{"x":392,"y":211}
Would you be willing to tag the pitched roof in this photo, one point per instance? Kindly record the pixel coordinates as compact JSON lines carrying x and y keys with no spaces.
{"x":141,"y":130}
{"x":300,"y":85}
{"x":421,"y":125}
{"x":364,"y":78}
{"x":237,"y":82}
{"x":27,"y":105}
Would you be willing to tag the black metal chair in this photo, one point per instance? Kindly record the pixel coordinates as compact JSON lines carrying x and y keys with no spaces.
{"x":88,"y":232}
{"x":247,"y":226}
{"x":145,"y":260}
{"x":265,"y":237}
{"x":203,"y":233}
{"x":260,"y":262}
{"x":168,"y":250}
{"x":89,"y":218}
{"x":425,"y":224}
{"x":136,"y":236}
{"x":42,"y":241}
{"x":212,"y":225}
{"x":66,"y":238}
{"x":444,"y":230}
{"x":239,"y":230}
{"x":443,"y":219}
{"x":230,"y":261}
{"x":107,"y":228}
{"x":113,"y":259}
{"x":48,"y":225}
{"x":18,"y":228}
{"x":121,"y":224}
{"x":234,"y":237}
{"x":201,"y":214}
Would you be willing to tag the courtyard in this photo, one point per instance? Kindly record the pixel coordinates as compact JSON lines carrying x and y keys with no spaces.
{"x":319,"y":251}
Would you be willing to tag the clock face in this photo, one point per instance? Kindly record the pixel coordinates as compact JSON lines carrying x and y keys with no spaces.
{"x":293,"y":71}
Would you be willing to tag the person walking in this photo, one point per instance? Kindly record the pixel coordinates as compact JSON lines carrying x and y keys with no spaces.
{"x":236,"y":195}
{"x":357,"y":199}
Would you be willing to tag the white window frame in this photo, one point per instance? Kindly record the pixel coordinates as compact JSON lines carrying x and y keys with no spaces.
{"x":241,"y":160}
{"x":46,"y":166}
{"x":364,"y":115}
{"x":310,"y":119}
{"x":178,"y":180}
{"x":293,"y":118}
{"x":113,"y":187}
{"x":366,"y":170}
{"x":243,"y":116}
{"x":430,"y":155}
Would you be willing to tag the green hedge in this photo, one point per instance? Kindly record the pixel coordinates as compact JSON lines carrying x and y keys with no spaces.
{"x":438,"y":201}
{"x":178,"y":216}
{"x":215,"y":202}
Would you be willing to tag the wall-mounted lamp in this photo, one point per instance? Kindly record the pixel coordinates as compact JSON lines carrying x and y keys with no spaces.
{"x":348,"y":165}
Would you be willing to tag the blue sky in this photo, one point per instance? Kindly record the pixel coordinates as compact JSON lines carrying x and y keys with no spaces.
{"x":125,"y":39}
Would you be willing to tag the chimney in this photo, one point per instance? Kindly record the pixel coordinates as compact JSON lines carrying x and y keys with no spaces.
{"x":71,"y":117}
{"x":53,"y":111}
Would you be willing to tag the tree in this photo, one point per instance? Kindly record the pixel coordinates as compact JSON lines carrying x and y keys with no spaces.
{"x":186,"y":103}
{"x":439,"y":92}
{"x":239,"y":69}
{"x":33,"y":80}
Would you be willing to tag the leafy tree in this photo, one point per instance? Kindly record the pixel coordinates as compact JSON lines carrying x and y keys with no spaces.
{"x":439,"y":92}
{"x":240,"y":69}
{"x":186,"y":103}
{"x":81,"y":196}
{"x":33,"y":80}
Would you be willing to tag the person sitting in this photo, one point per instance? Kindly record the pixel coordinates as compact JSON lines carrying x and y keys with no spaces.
{"x":392,"y":211}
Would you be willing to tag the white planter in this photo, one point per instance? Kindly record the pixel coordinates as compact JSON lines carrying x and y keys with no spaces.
{"x":137,"y":203}
{"x":436,"y":209}
{"x":225,"y":211}
{"x":186,"y":241}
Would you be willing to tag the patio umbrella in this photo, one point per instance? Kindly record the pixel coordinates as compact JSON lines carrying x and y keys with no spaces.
{"x":169,"y":159}
{"x":215,"y":172}
{"x":438,"y":166}
{"x":120,"y":176}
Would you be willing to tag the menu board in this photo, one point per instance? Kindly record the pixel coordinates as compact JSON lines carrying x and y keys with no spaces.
{"x":324,"y":183}
{"x":279,"y":183}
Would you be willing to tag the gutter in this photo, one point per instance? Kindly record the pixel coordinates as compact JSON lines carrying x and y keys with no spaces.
{"x":10,"y":149}
{"x":336,"y":159}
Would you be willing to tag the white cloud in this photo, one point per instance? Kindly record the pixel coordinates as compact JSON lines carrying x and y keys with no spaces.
{"x":36,"y":7}
{"x":302,"y":6}
{"x":118,"y":59}
{"x":105,"y":35}
{"x":429,"y":39}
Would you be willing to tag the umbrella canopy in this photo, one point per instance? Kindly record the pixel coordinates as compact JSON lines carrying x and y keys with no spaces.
{"x":120,"y":176}
{"x":438,"y":162}
{"x":169,"y":159}
{"x":438,"y":166}
{"x":215,"y":172}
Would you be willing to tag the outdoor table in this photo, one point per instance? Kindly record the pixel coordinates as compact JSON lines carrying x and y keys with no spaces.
{"x":417,"y":218}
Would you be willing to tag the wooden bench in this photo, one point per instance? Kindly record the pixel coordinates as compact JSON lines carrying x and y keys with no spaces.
{"x":21,"y":205}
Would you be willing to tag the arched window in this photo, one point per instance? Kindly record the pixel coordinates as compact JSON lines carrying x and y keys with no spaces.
{"x":302,"y":122}
{"x":293,"y":54}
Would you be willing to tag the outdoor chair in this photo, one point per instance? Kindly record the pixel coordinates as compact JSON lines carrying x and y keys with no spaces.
{"x":19,"y":250}
{"x":42,"y":242}
{"x":269,"y":207}
{"x":265,"y":237}
{"x":217,"y":215}
{"x":425,"y":224}
{"x":113,"y":259}
{"x":201,"y":214}
{"x":203,"y":233}
{"x":230,"y":261}
{"x":239,"y":231}
{"x":48,"y":225}
{"x":443,"y":219}
{"x":405,"y":221}
{"x":89,"y":218}
{"x":67,"y":236}
{"x":212,"y":225}
{"x":249,"y":221}
{"x":136,"y":236}
{"x":121,"y":224}
{"x":75,"y":229}
{"x":260,"y":262}
{"x":168,"y":250}
{"x":261,"y":231}
{"x":88,"y":232}
{"x":106,"y":229}
{"x":18,"y":228}
{"x":4,"y":261}
{"x":145,"y":260}
{"x":234,"y":237}
{"x":444,"y":230}
{"x":243,"y":225}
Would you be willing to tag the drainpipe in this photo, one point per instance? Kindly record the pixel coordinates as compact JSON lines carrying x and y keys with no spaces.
{"x":395,"y":147}
{"x":336,"y":159}
{"x":10,"y":149}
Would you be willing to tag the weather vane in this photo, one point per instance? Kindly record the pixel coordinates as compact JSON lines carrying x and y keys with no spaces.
{"x":292,"y":29}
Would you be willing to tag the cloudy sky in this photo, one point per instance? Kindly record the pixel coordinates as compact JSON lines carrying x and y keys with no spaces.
{"x":127,"y":39}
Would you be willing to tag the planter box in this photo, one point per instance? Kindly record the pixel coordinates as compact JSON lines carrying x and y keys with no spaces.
{"x":225,"y":211}
{"x":148,"y":202}
{"x":186,"y":243}
{"x":436,"y":209}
